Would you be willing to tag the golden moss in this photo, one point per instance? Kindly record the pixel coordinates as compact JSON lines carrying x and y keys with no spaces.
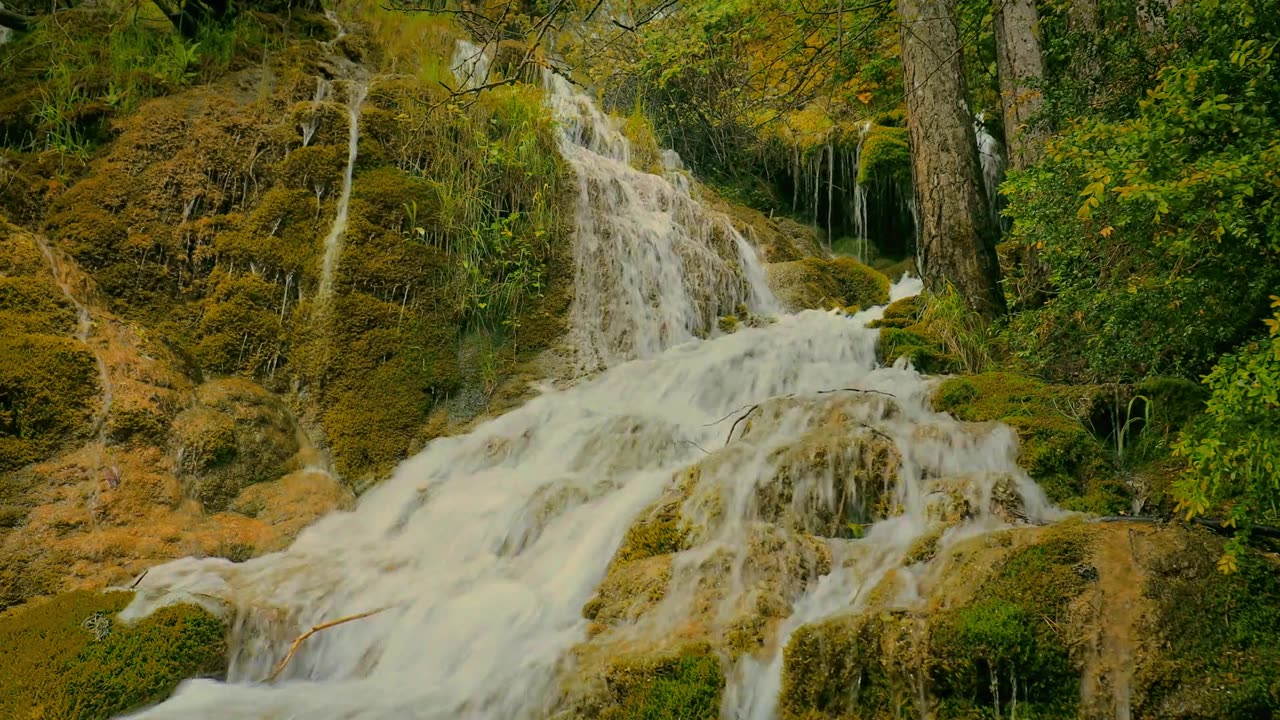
{"x":815,"y":283}
{"x":926,"y":354}
{"x":844,"y":668}
{"x":1055,"y":447}
{"x":70,"y":657}
{"x":645,"y":155}
{"x":685,"y":683}
{"x":48,"y":388}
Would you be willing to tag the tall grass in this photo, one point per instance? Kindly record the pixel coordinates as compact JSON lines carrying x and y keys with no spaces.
{"x":964,"y":333}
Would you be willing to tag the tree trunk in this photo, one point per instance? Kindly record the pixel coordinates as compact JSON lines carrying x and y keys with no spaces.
{"x":957,"y":232}
{"x":1021,"y":66}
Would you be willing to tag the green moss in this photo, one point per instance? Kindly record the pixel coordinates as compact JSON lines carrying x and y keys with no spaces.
{"x":900,"y":314}
{"x":817,"y":283}
{"x":48,"y":386}
{"x":886,"y":155}
{"x":645,"y":155}
{"x":925,"y":354}
{"x":1010,"y":634}
{"x":56,"y":665}
{"x":838,"y":669}
{"x":1054,"y":447}
{"x":681,"y":686}
{"x":1219,"y":636}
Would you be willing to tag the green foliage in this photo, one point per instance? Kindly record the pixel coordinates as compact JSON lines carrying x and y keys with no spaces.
{"x":1233,"y":450}
{"x":965,"y":334}
{"x":80,"y":80}
{"x":925,"y":352}
{"x":70,"y":658}
{"x":1158,"y":230}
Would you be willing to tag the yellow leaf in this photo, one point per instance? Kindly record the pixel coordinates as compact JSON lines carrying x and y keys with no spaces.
{"x":1106,"y":231}
{"x":865,"y":98}
{"x":1227,"y":564}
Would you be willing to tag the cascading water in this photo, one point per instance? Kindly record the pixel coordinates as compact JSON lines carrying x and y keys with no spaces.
{"x":333,"y":241}
{"x":991,"y":159}
{"x":470,"y":566}
{"x":654,"y":267}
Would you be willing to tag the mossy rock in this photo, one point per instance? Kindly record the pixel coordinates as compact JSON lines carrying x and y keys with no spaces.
{"x":682,"y":685}
{"x":1214,"y":639}
{"x":48,"y":389}
{"x":846,"y":667}
{"x":1055,"y":447}
{"x":236,"y":435}
{"x":886,"y":156}
{"x":926,"y":354}
{"x":900,"y":314}
{"x":645,"y":155}
{"x":70,"y":657}
{"x":1010,"y":633}
{"x":820,"y":284}
{"x":834,"y":478}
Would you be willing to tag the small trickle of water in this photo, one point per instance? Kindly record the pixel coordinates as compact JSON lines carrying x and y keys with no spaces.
{"x":333,"y":241}
{"x":470,"y":64}
{"x":308,"y":127}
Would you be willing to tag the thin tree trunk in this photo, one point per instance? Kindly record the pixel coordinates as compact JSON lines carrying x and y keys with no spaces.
{"x":956,"y":231}
{"x":13,"y":20}
{"x":1021,"y":66}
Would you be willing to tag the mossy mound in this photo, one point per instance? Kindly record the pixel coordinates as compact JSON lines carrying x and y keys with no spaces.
{"x":817,"y":283}
{"x":849,"y":666}
{"x":70,"y":658}
{"x":834,"y":479}
{"x":1009,"y":635}
{"x":48,"y":380}
{"x":900,"y":313}
{"x":236,"y":435}
{"x":1055,"y":447}
{"x":1213,"y":642}
{"x":886,"y":156}
{"x":682,"y":685}
{"x":926,"y":354}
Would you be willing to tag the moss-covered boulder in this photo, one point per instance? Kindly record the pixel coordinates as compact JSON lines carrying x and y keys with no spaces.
{"x":926,"y":354}
{"x":682,"y":684}
{"x":1055,"y":446}
{"x":237,"y":434}
{"x":69,"y":657}
{"x":817,"y":283}
{"x":849,"y":666}
{"x":1212,"y":643}
{"x":886,"y":156}
{"x":1009,"y":634}
{"x":900,"y":313}
{"x":832,"y":480}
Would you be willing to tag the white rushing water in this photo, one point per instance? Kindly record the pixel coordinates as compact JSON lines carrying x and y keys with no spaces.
{"x":333,"y":241}
{"x":991,"y":158}
{"x":479,"y":553}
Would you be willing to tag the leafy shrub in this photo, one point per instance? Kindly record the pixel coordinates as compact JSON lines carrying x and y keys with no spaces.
{"x":1234,"y":450}
{"x":1158,"y":233}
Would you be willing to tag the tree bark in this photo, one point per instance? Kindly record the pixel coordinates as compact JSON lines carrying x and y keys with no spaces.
{"x":957,"y":231}
{"x":1020,"y":64}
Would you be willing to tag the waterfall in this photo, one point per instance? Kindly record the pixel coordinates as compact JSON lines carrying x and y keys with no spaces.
{"x":991,"y":159}
{"x":654,"y":266}
{"x":470,"y":64}
{"x":333,"y":241}
{"x":471,"y":564}
{"x":860,"y":230}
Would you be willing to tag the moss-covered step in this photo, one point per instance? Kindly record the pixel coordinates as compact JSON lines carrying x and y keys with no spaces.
{"x":71,"y":658}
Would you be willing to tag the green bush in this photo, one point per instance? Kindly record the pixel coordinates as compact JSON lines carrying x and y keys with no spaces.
{"x":1233,"y":450}
{"x":1158,"y":233}
{"x":69,"y":657}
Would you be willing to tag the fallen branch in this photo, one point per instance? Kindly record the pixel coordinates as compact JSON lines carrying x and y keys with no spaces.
{"x":744,"y":416}
{"x":323,"y":626}
{"x":135,"y":582}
